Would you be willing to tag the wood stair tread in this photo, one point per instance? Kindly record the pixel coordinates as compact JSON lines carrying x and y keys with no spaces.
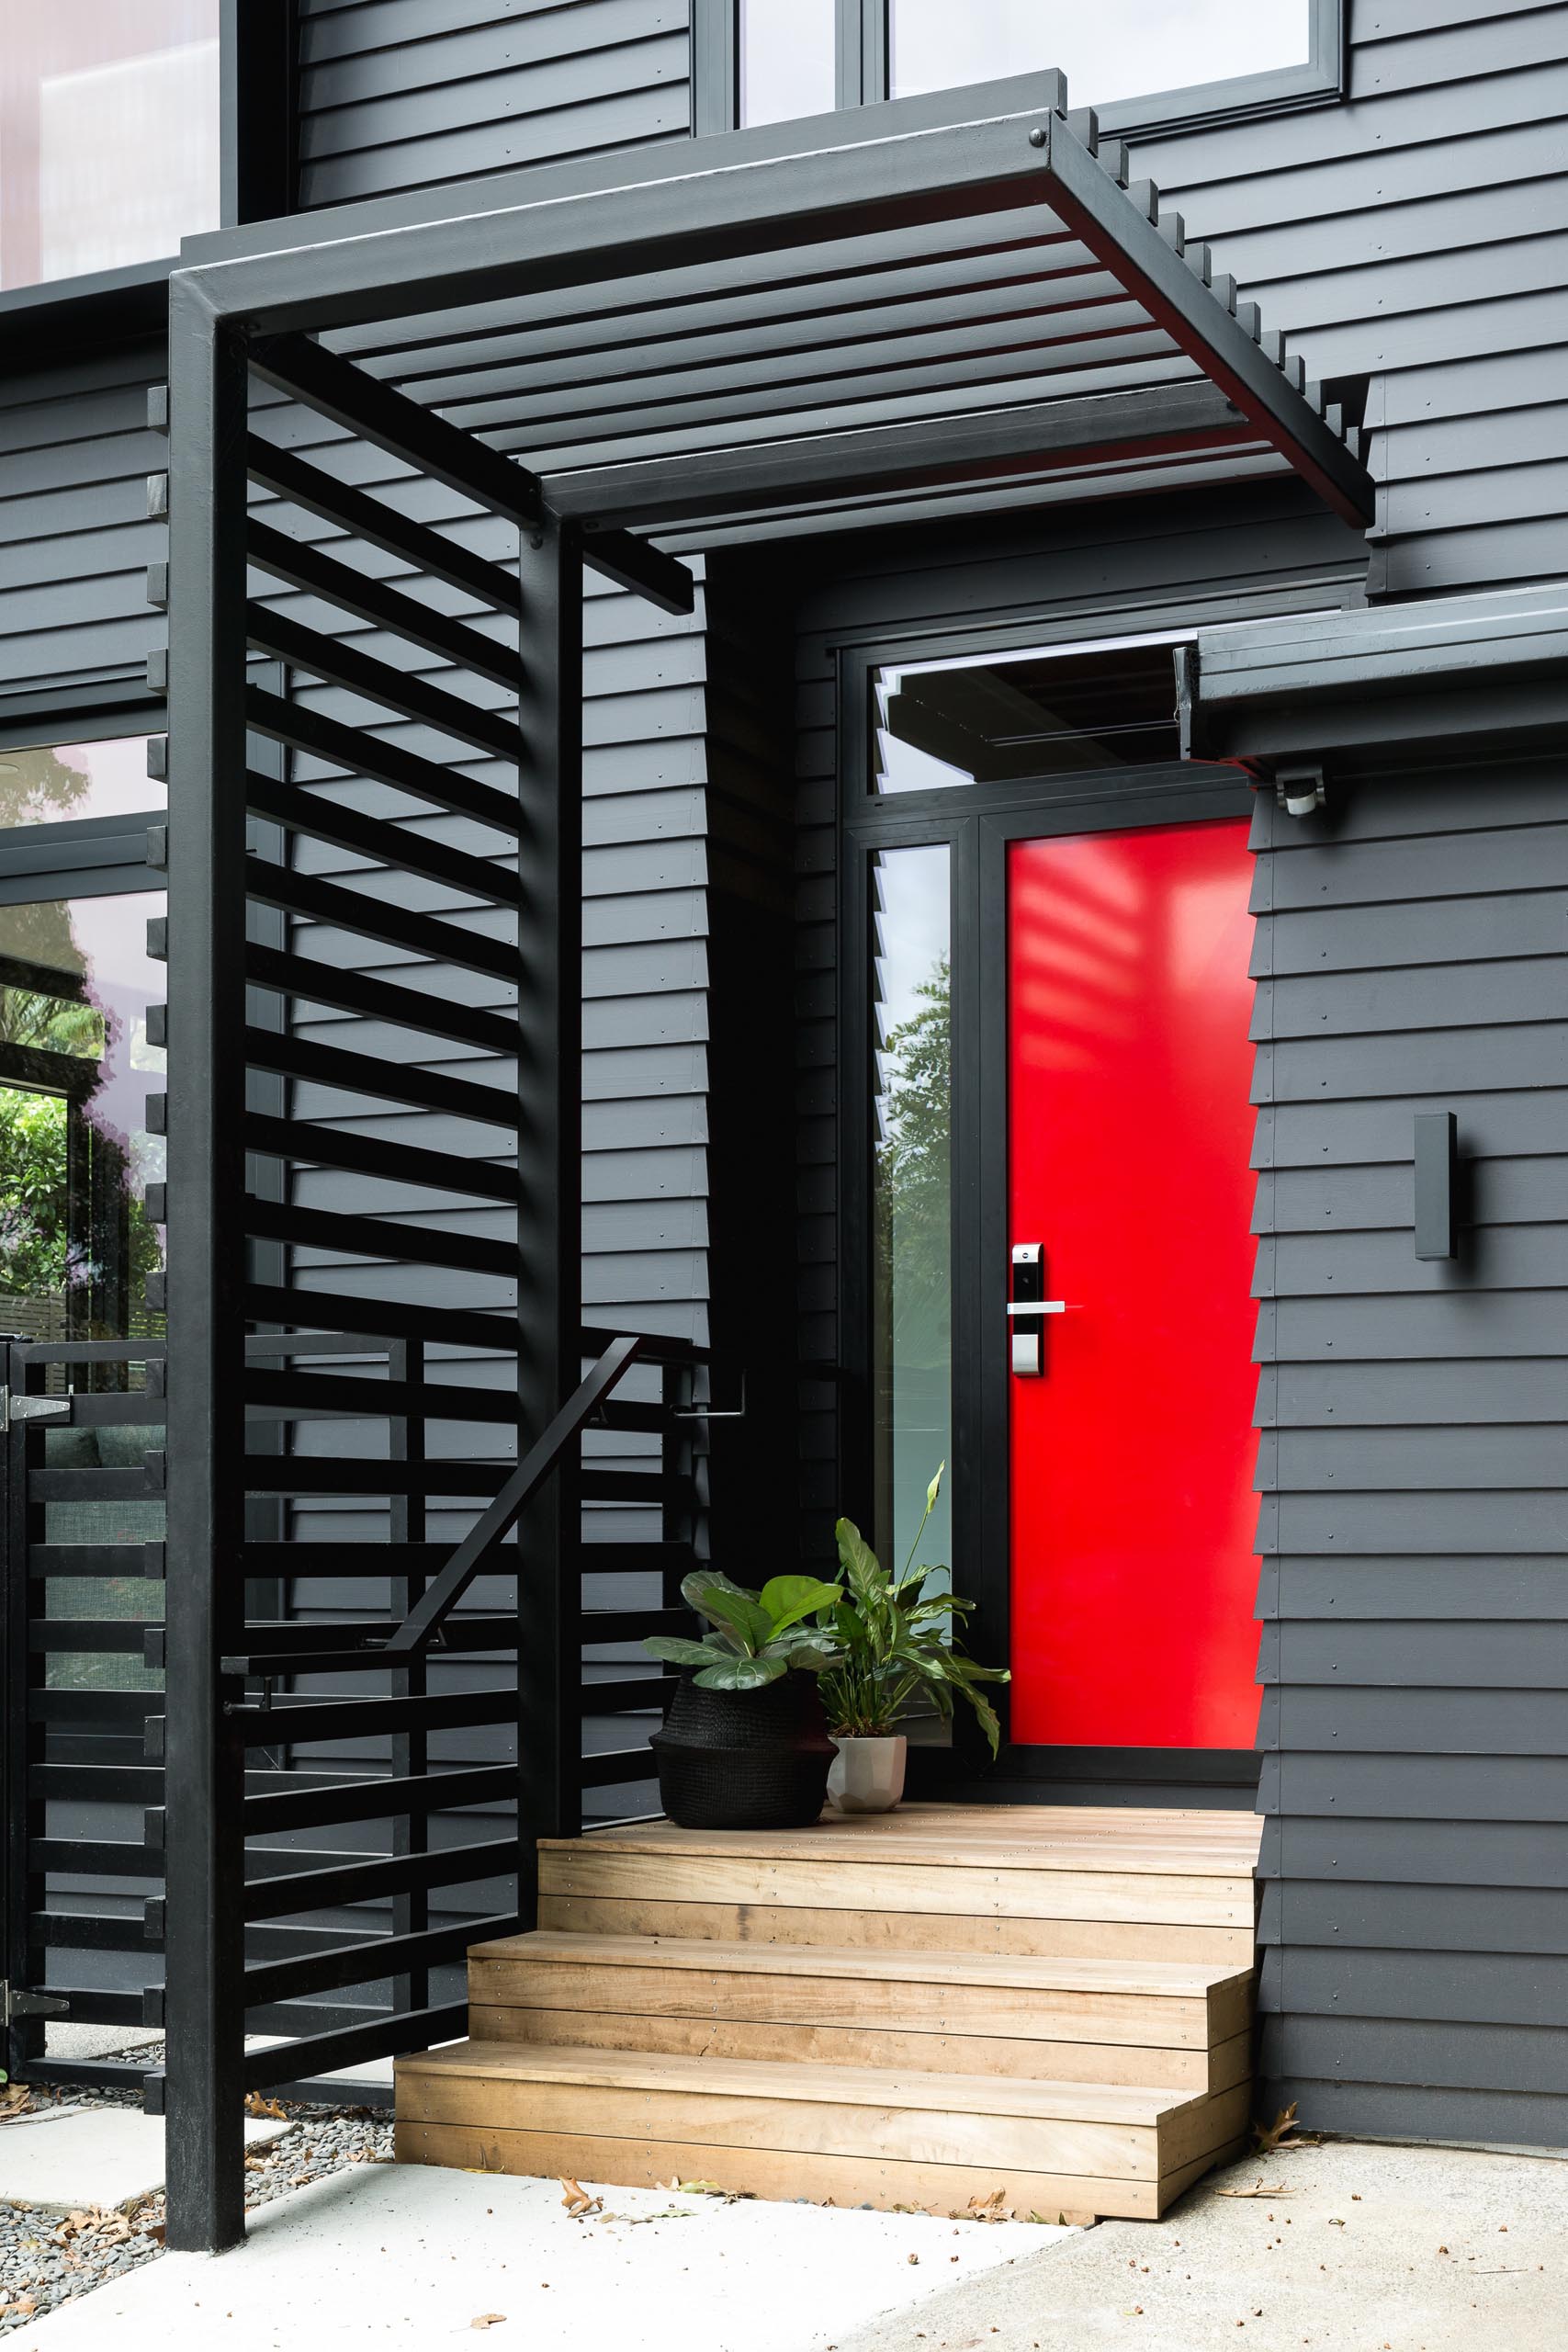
{"x":1184,"y":1980}
{"x":1053,"y":1838}
{"x":1133,"y":2105}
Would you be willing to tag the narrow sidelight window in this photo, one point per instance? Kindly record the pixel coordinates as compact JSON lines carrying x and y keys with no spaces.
{"x":787,"y":59}
{"x":109,"y":133}
{"x":912,"y":1191}
{"x":1118,"y":48}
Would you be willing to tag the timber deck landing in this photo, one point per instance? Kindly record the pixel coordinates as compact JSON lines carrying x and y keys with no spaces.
{"x":911,"y":2008}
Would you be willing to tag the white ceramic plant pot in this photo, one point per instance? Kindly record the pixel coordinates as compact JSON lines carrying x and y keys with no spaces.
{"x":867,"y":1775}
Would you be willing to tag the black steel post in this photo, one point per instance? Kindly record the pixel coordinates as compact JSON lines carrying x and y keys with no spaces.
{"x":410,"y":1749}
{"x":207,"y":398}
{"x":549,"y":1160}
{"x":17,"y":2041}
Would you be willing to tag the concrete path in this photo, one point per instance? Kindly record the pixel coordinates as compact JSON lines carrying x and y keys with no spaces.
{"x":409,"y":2256}
{"x":59,"y":2158}
{"x":1367,"y":2248}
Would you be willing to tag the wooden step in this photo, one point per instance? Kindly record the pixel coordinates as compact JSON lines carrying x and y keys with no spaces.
{"x":931,"y":1877}
{"x":858,"y":2135}
{"x":1169,"y":2025}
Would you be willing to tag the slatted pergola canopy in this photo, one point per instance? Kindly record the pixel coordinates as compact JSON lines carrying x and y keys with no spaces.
{"x":939,"y":317}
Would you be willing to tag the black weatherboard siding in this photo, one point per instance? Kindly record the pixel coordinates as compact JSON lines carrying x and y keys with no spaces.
{"x":1412,"y":951}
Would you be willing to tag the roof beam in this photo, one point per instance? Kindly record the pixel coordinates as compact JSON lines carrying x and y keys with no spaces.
{"x":1155,"y":421}
{"x":1126,"y":240}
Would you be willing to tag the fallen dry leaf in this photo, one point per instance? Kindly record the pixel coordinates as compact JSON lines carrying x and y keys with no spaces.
{"x":576,"y":2199}
{"x":15,"y":2100}
{"x":1262,"y":2190}
{"x":1269,"y":2135}
{"x":257,"y":2104}
{"x":489,"y":2318}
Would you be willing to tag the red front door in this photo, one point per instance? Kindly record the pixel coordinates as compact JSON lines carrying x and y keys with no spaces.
{"x":1130,"y":1134}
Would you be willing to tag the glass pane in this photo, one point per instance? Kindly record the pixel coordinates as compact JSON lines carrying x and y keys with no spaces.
{"x":1058,"y":711}
{"x":1121,"y":49}
{"x":76,"y":1247}
{"x":912,"y":1194}
{"x":787,"y":59}
{"x":60,"y":782}
{"x":109,"y":133}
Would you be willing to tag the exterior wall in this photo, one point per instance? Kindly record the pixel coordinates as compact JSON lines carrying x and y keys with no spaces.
{"x":75,"y":539}
{"x":401,"y":94}
{"x":1418,"y":233}
{"x":1414,"y":1459}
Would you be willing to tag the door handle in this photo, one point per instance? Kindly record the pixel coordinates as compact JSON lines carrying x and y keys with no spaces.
{"x":1027,"y":1309}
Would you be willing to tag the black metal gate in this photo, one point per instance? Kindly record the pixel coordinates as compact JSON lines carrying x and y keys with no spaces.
{"x":82,"y":1558}
{"x":373,"y":1216}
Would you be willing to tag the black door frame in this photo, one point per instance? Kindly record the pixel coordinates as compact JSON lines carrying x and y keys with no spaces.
{"x":977,"y":822}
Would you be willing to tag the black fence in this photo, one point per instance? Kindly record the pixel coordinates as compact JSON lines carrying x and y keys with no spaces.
{"x":380,"y":1789}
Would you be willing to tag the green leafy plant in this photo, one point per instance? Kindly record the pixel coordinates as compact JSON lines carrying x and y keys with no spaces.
{"x":756,"y":1636}
{"x":896,"y":1642}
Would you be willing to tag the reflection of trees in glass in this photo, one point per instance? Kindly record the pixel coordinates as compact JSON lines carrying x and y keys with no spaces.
{"x":35,"y":1192}
{"x":39,"y":788}
{"x":913,"y":1187}
{"x":72,"y":1226}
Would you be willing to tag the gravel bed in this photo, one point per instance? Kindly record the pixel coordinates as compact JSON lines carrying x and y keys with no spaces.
{"x":47,"y":2258}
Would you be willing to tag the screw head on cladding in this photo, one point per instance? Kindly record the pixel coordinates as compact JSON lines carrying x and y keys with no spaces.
{"x":1037,"y":137}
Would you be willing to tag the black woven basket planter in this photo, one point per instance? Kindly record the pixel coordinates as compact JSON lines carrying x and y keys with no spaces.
{"x":744,"y":1759}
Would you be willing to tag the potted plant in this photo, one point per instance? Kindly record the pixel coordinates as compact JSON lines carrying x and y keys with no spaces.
{"x":745,"y":1743}
{"x":895,"y":1643}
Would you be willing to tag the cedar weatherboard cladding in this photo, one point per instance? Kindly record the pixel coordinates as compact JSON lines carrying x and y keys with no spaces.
{"x":1413,"y":1467}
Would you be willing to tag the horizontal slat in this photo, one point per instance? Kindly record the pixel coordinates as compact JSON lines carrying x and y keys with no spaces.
{"x":86,"y":1635}
{"x":305,"y":1395}
{"x":341,"y":664}
{"x":617,"y":1766}
{"x":90,"y":1486}
{"x":632,"y":1487}
{"x":381,"y":1799}
{"x":627,"y":1693}
{"x":401,"y":848}
{"x":379,"y":525}
{"x":601,"y":1625}
{"x":370,"y":918}
{"x":298,"y":1141}
{"x":273,"y":1898}
{"x":309,"y":567}
{"x":288,"y":1721}
{"x":366,"y":1961}
{"x":386,"y":1318}
{"x":90,"y":1931}
{"x":417,"y":436}
{"x":461,"y":1636}
{"x":379,"y":1237}
{"x":371,"y":1074}
{"x":306,"y":1474}
{"x":292,"y":2062}
{"x":349,"y":1559}
{"x":95,"y":1560}
{"x":361,"y":752}
{"x":308,"y":981}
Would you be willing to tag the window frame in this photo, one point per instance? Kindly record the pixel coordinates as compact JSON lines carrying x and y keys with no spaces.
{"x":862,"y":66}
{"x":258,"y":145}
{"x":977,"y":821}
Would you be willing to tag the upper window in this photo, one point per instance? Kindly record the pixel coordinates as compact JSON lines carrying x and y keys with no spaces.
{"x":109,"y":133}
{"x":1118,"y":48}
{"x":1140,"y":62}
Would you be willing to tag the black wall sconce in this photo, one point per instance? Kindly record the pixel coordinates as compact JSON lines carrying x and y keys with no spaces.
{"x":1436,"y":1185}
